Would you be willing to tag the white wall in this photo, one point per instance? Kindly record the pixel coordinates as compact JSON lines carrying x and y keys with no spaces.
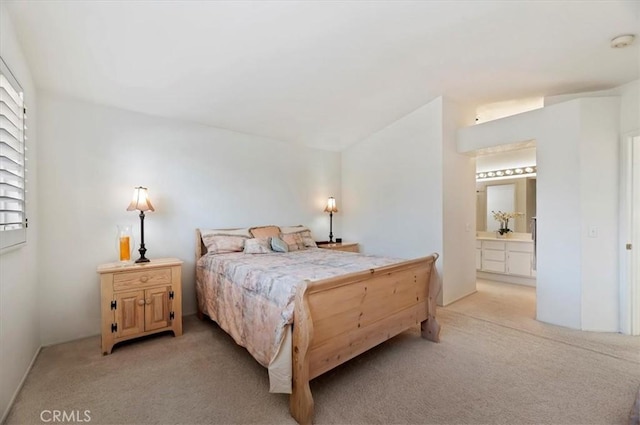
{"x":497,"y":110}
{"x":406,"y":194}
{"x":392,"y":187}
{"x":629,"y":126}
{"x":629,"y":123}
{"x":558,"y":280}
{"x":19,"y":327}
{"x":459,"y":205}
{"x":510,"y":130}
{"x":630,"y":107}
{"x":509,"y":159}
{"x":576,"y":190}
{"x":561,"y":98}
{"x":92,"y":156}
{"x":629,"y":103}
{"x":599,"y":211}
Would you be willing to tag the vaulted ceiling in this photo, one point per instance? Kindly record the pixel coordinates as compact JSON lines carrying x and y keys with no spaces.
{"x":323,"y":74}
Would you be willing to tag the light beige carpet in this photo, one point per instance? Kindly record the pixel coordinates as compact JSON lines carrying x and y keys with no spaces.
{"x":483,"y":372}
{"x":515,"y":306}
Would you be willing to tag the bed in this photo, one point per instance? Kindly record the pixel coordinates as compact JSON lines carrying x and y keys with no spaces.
{"x":302,"y":313}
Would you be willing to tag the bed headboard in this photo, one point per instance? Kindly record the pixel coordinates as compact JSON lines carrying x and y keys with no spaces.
{"x":201,"y":249}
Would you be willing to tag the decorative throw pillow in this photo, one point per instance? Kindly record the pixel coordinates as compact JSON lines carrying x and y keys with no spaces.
{"x":219,"y":241}
{"x":305,"y":233}
{"x":307,"y":239}
{"x":265,"y":231}
{"x":293,"y":240}
{"x":257,"y":246}
{"x":279,"y":245}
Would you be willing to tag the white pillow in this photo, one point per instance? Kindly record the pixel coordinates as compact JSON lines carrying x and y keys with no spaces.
{"x":307,"y":238}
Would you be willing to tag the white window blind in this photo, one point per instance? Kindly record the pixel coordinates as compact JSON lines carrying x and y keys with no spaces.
{"x":13,"y":221}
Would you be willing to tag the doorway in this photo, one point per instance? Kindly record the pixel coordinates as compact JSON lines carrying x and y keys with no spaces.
{"x":630,"y":236}
{"x":506,"y":199}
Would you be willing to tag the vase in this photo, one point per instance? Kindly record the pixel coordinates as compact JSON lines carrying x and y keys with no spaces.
{"x":501,"y":235}
{"x":124,"y":243}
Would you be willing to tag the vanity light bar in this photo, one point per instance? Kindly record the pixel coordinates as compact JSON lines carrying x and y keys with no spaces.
{"x":506,"y":172}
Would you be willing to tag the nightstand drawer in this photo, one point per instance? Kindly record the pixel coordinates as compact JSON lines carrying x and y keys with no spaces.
{"x":127,"y":280}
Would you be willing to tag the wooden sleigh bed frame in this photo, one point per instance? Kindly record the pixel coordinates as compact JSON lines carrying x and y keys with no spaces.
{"x":337,"y":319}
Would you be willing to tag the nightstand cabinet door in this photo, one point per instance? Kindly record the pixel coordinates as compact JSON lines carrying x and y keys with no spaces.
{"x":129,"y":313}
{"x":156,"y":313}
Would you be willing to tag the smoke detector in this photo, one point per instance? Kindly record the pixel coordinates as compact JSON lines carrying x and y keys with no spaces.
{"x":622,"y":41}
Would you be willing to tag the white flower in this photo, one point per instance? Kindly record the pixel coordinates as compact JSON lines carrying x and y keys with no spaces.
{"x":503,"y":218}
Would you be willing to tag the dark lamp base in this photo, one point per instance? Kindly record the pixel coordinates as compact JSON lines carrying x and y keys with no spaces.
{"x":142,"y":251}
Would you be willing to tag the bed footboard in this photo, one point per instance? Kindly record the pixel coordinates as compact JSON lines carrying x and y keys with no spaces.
{"x":339,"y":318}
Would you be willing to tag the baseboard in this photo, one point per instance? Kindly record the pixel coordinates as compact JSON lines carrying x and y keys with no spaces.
{"x":64,"y":341}
{"x":458,"y":299}
{"x":17,"y":391}
{"x":506,"y":278}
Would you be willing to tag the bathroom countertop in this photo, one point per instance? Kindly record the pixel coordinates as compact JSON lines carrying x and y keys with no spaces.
{"x":511,"y":236}
{"x":507,"y":239}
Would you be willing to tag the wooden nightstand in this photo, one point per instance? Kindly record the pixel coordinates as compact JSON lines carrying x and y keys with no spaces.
{"x":140,"y":299}
{"x":343,"y":246}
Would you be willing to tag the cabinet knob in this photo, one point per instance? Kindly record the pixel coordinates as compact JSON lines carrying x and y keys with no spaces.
{"x":148,"y":300}
{"x":144,"y":279}
{"x":140,"y":302}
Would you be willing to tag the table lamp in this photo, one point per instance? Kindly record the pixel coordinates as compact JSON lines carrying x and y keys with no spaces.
{"x":331,"y":208}
{"x":141,"y":203}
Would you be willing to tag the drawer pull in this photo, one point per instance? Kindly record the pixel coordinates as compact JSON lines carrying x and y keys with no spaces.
{"x":143,"y":279}
{"x":141,"y":302}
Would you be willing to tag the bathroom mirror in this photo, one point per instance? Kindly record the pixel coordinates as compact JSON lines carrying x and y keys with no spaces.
{"x":508,"y":195}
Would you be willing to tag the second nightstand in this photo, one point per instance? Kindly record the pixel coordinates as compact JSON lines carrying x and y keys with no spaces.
{"x":343,"y":246}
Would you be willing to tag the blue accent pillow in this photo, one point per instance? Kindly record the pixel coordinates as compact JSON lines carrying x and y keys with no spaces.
{"x":279,"y":245}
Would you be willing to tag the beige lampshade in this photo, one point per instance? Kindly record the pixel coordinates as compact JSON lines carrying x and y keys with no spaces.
{"x":140,"y":200}
{"x":331,"y":205}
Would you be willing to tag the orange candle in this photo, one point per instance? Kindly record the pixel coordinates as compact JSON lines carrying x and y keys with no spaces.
{"x":125,"y":251}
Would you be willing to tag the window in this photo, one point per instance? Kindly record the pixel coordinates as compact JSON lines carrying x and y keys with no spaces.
{"x":13,"y":221}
